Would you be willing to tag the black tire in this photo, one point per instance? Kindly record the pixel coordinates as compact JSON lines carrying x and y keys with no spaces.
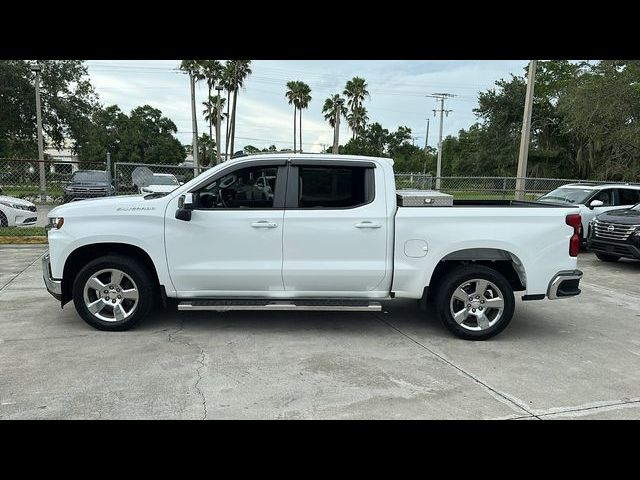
{"x":457,"y":277}
{"x":607,"y":258}
{"x":131,"y":267}
{"x":3,"y":220}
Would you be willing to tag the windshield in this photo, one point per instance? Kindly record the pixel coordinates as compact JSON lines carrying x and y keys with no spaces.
{"x":86,"y":176}
{"x":636,"y":207}
{"x":164,"y":180}
{"x":567,"y":195}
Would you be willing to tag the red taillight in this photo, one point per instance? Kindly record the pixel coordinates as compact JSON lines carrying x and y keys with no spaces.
{"x":574,"y":221}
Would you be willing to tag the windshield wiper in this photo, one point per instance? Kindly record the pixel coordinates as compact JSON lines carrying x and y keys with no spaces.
{"x":151,"y":196}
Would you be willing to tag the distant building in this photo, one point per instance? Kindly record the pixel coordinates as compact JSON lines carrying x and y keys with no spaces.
{"x":63,"y":161}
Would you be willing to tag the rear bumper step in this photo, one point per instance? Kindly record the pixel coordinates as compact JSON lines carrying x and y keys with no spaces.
{"x":265,"y":305}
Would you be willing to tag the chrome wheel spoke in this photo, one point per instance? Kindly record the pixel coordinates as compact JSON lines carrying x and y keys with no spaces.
{"x":96,"y":307}
{"x":130,"y":294}
{"x":461,"y":316}
{"x":116,"y":277}
{"x":119,"y":313}
{"x":494,"y":302}
{"x":461,"y":295}
{"x":481,"y":286}
{"x":96,"y":284}
{"x":483,"y":321}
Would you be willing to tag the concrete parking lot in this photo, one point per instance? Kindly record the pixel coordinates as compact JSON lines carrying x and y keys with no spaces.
{"x":574,"y":358}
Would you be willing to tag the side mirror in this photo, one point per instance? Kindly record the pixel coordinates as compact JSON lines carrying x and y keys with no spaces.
{"x":185,"y":207}
{"x":596,"y":203}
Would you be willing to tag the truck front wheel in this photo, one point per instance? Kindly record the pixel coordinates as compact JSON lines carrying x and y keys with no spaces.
{"x":113,"y":293}
{"x":475,"y":302}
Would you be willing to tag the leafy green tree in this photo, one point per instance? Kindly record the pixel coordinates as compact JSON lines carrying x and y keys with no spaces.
{"x":67,"y":101}
{"x":144,"y":136}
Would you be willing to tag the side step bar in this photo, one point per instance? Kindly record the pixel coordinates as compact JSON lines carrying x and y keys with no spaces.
{"x":265,"y":305}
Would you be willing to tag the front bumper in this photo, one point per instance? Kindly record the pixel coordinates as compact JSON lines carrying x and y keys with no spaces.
{"x":564,"y":284}
{"x":54,"y":287}
{"x":621,"y":249}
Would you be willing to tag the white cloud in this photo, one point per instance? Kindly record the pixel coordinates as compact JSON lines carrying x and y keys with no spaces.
{"x":398,"y":95}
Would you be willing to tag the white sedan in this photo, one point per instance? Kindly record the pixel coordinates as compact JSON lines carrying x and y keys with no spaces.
{"x":15,"y":212}
{"x":161,"y":183}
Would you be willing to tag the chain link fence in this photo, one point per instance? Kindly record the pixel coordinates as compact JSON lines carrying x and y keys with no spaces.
{"x":486,"y":188}
{"x":29,"y":189}
{"x":24,"y":206}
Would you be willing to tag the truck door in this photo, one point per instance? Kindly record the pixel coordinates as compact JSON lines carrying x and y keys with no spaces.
{"x":233,"y":242}
{"x":335,"y":236}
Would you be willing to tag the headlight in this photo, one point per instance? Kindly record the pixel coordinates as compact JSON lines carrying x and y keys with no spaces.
{"x":55,"y":222}
{"x":19,"y":206}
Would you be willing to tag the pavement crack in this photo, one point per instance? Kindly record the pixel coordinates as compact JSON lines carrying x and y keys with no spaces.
{"x":442,"y":358}
{"x":201,"y":365}
{"x":22,"y":271}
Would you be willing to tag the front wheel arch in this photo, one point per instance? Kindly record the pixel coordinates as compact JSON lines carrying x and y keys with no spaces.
{"x":85,"y":254}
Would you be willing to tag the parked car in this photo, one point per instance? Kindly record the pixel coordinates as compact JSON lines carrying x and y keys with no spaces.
{"x":593,"y":199}
{"x":161,"y":183}
{"x":333,"y":235}
{"x":16,"y":212}
{"x":88,"y":184}
{"x":616,"y":234}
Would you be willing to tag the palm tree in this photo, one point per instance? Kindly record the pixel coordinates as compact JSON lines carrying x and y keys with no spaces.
{"x":357,"y":119}
{"x":292,"y":96}
{"x":239,"y":70}
{"x":304,"y":97}
{"x":330,"y":110}
{"x":211,"y":71}
{"x":356,"y":91}
{"x":211,"y":113}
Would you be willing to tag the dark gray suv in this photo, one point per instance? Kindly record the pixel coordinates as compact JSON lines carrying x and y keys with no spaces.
{"x":88,"y":184}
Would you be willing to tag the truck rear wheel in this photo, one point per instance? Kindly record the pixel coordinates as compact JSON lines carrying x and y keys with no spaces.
{"x":113,"y":293}
{"x":475,"y":302}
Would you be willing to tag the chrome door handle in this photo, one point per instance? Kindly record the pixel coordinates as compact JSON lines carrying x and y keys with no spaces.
{"x":264,"y":224}
{"x":367,"y":224}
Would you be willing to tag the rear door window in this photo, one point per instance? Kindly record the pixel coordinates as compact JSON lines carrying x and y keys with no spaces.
{"x":334,"y":186}
{"x":627,"y":196}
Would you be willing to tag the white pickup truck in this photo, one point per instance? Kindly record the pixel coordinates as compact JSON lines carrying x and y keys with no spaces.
{"x":308,"y":232}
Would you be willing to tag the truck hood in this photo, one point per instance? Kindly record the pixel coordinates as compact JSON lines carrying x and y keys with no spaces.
{"x":161,"y":188}
{"x":104,"y":206}
{"x":623,"y":216}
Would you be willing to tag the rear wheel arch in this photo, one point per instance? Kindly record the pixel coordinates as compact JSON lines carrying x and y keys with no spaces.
{"x":504,"y":262}
{"x":83,"y":255}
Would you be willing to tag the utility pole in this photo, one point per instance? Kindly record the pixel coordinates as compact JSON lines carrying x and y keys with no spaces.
{"x":219,"y":89}
{"x":441,"y":97}
{"x":196,"y":165}
{"x":43,"y":194}
{"x":523,"y":156}
{"x":109,"y":164}
{"x":336,"y":128}
{"x":426,"y":144}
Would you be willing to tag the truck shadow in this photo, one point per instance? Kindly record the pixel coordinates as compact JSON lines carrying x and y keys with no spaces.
{"x":401,"y":317}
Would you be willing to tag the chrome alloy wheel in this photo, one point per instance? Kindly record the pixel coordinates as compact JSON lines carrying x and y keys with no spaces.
{"x":111,"y":295}
{"x":477,"y":304}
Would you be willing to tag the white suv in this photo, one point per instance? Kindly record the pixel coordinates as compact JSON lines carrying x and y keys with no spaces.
{"x":594,"y":199}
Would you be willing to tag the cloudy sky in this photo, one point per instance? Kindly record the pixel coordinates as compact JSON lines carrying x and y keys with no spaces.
{"x":398,"y":92}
